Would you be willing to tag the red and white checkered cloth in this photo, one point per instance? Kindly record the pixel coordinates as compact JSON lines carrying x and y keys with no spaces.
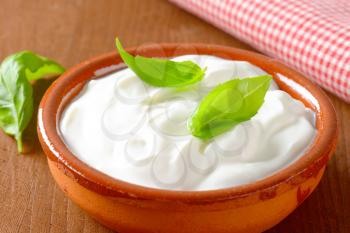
{"x":312,"y":36}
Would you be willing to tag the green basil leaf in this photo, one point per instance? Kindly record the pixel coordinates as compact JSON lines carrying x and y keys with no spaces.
{"x":227,"y":105}
{"x":162,"y":72}
{"x":37,"y":66}
{"x":16,"y":93}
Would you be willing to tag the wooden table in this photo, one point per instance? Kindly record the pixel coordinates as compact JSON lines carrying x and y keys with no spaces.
{"x":73,"y":30}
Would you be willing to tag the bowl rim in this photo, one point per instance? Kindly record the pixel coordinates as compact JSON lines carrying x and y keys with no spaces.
{"x":92,"y":179}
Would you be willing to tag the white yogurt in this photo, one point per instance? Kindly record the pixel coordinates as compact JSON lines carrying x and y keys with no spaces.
{"x":137,"y":133}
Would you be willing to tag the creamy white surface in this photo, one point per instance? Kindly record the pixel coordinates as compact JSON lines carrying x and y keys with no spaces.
{"x":137,"y":133}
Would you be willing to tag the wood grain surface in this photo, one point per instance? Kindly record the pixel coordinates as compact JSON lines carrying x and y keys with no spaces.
{"x":73,"y":30}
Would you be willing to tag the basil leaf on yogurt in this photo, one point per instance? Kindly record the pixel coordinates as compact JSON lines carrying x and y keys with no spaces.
{"x":16,"y":92}
{"x":162,"y":72}
{"x":227,"y":105}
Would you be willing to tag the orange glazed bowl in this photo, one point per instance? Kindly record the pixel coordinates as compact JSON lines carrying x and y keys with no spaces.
{"x":127,"y":207}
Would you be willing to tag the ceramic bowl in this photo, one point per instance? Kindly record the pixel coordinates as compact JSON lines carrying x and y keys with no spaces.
{"x":126,"y":207}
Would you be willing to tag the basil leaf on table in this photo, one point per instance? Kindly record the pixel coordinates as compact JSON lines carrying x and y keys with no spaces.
{"x":37,"y":66}
{"x":16,"y":93}
{"x":227,"y":105}
{"x":162,"y":72}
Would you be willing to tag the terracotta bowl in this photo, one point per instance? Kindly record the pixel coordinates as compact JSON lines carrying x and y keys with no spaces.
{"x":126,"y":207}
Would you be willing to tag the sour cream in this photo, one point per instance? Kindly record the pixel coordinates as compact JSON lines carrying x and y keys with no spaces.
{"x":137,"y":133}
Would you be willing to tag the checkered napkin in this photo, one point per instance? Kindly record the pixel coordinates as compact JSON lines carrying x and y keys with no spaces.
{"x":312,"y":36}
